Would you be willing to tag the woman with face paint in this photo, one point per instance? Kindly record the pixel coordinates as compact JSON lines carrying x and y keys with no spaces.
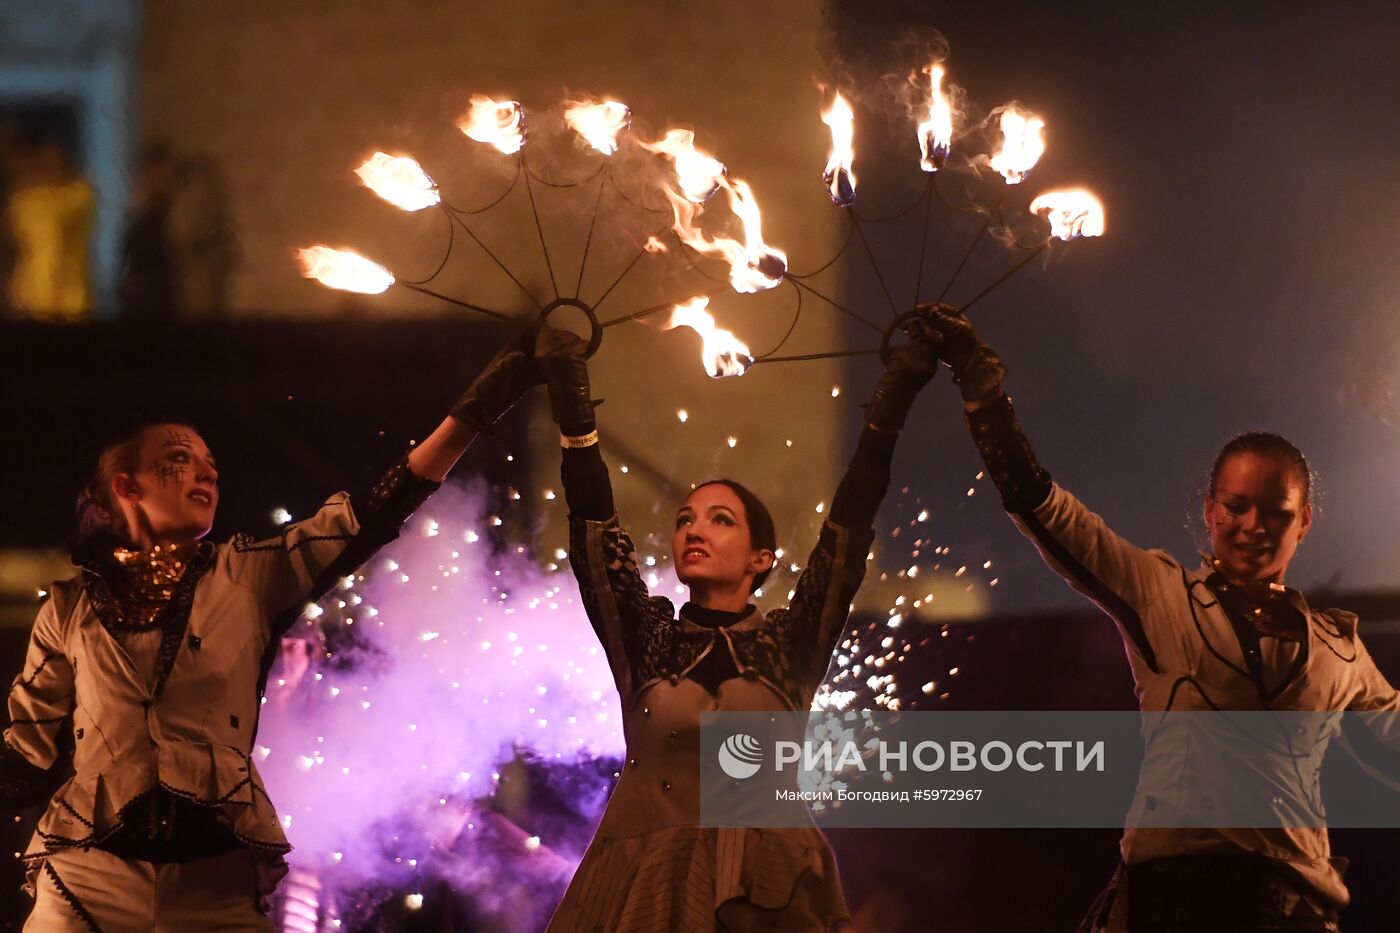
{"x":146,"y":669}
{"x":1228,"y":635}
{"x":651,"y":867}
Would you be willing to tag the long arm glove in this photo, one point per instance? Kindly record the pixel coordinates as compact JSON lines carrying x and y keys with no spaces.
{"x":908,"y":370}
{"x":978,"y":372}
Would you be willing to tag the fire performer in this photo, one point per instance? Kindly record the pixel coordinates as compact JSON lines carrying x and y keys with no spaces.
{"x":146,"y":671}
{"x":652,"y":867}
{"x":1228,"y":635}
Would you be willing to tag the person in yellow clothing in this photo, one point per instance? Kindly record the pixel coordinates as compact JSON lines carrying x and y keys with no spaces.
{"x":50,"y":224}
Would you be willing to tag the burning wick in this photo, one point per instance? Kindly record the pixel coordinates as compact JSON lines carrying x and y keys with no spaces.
{"x":839,"y":177}
{"x":399,"y":180}
{"x":1022,"y":144}
{"x":500,"y":123}
{"x":343,"y":269}
{"x":700,"y":175}
{"x":722,"y":353}
{"x":1072,"y":213}
{"x":599,"y":123}
{"x":936,"y":133}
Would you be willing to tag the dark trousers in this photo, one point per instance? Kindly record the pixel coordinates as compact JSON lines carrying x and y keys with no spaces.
{"x":1228,"y":892}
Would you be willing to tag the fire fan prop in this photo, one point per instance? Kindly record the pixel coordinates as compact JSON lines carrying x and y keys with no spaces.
{"x":752,"y":265}
{"x":749,"y":264}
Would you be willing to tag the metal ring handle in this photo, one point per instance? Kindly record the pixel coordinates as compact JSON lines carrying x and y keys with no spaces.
{"x":898,"y":324}
{"x":595,"y":337}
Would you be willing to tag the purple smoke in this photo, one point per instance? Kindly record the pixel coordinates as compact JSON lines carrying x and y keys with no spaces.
{"x":393,"y":760}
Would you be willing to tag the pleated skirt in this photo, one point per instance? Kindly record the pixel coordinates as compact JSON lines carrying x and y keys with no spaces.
{"x":693,"y":879}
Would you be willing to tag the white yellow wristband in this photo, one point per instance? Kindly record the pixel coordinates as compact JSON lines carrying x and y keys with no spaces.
{"x":574,"y":443}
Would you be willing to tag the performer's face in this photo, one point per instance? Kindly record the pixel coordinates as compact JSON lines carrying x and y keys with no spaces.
{"x":712,"y":543}
{"x":1257,"y":516}
{"x":174,"y":491}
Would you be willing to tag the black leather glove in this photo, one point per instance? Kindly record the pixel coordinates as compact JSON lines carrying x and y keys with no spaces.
{"x":909,"y":368}
{"x":562,"y":358}
{"x":507,"y":377}
{"x":976,"y":368}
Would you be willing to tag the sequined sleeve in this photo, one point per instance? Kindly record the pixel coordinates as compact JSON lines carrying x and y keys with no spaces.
{"x":41,"y":700}
{"x":806,"y":631}
{"x":626,"y":617}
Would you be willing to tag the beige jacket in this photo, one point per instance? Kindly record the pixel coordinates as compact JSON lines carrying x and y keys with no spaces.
{"x":1185,"y":656}
{"x":194,"y":737}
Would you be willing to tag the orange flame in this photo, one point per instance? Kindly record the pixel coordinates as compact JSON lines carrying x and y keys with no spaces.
{"x":399,"y":180}
{"x":699,"y":174}
{"x":500,"y":123}
{"x":653,"y":245}
{"x":839,"y":176}
{"x":1022,"y":144}
{"x":1073,"y":212}
{"x":343,"y":269}
{"x":766,"y":265}
{"x":753,"y":264}
{"x":599,"y":123}
{"x":722,"y":353}
{"x":936,"y":133}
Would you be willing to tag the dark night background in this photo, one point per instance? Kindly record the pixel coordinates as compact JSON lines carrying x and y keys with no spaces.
{"x":1246,"y":156}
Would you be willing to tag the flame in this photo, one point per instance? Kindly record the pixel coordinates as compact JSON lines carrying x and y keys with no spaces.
{"x":653,"y":245}
{"x":399,"y":180}
{"x":753,"y":264}
{"x":500,"y":123}
{"x":700,"y":174}
{"x":766,"y":265}
{"x":599,"y":123}
{"x":722,"y":353}
{"x":343,"y":269}
{"x":936,"y":133}
{"x":1022,"y":144}
{"x":839,"y":177}
{"x":1072,"y":213}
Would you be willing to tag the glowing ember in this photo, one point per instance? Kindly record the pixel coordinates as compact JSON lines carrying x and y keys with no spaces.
{"x":399,"y":180}
{"x":839,"y":177}
{"x":722,"y":353}
{"x":599,"y":123}
{"x":343,"y":269}
{"x":936,"y":133}
{"x":700,"y":175}
{"x":1022,"y":144}
{"x":1072,"y":213}
{"x":500,"y":123}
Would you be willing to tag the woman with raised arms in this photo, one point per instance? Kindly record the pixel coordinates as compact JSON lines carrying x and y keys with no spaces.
{"x":652,"y":868}
{"x":146,"y":669}
{"x":1227,"y":635}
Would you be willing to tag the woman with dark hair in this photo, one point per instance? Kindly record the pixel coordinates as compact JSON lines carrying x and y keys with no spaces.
{"x":146,"y":671}
{"x":652,"y":868}
{"x":1228,"y":635}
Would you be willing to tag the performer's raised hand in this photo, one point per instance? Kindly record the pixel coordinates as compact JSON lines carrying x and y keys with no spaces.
{"x":908,"y":368}
{"x":975,"y":366}
{"x":503,"y":382}
{"x":562,"y":358}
